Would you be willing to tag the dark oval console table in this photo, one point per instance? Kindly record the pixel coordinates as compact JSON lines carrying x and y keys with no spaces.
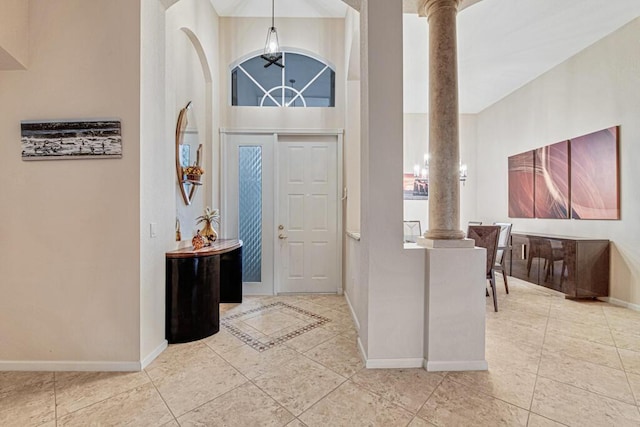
{"x":197,"y":281}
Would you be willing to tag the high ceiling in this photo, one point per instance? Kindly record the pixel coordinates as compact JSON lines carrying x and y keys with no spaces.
{"x":503,"y":44}
{"x":283,"y":8}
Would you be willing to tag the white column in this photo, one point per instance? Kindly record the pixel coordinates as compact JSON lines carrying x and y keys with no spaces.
{"x":391,"y":278}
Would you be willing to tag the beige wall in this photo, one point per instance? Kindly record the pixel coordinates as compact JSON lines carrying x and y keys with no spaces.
{"x":156,"y":180}
{"x":351,"y":169}
{"x":415,"y":139}
{"x":242,"y":37}
{"x":70,"y":228}
{"x":191,"y":86}
{"x":352,"y":156}
{"x":14,"y":34}
{"x":468,"y":155}
{"x":92,"y":295}
{"x":192,"y":75}
{"x":597,"y":88}
{"x":352,"y":121}
{"x":174,"y":49}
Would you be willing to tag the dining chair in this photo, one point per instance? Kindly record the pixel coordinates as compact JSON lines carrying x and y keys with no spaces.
{"x":504,"y":244}
{"x":542,"y":248}
{"x":487,"y":236}
{"x":412,"y":230}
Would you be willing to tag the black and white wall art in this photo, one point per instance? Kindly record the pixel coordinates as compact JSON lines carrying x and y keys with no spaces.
{"x":79,"y":139}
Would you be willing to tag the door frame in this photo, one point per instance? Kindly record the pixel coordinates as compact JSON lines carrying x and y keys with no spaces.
{"x":227,"y":197}
{"x":339,"y":134}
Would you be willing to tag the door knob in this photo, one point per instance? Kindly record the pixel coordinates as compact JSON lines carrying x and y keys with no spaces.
{"x":282,"y":236}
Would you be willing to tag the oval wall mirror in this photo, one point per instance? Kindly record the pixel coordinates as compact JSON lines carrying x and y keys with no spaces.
{"x":188,"y":158}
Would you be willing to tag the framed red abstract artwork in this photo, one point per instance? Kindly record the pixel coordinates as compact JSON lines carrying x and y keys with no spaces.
{"x":551,"y":187}
{"x":595,"y":186}
{"x":521,"y":185}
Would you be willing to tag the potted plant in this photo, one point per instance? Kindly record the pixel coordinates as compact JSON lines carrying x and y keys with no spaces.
{"x":194,"y":173}
{"x":208,"y":218}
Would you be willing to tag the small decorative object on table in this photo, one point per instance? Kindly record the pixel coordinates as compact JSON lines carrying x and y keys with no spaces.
{"x":178,"y":233}
{"x":194,"y":174}
{"x":198,"y":241}
{"x":209,"y":217}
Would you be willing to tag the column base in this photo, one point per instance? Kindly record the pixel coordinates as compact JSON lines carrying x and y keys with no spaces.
{"x":454,"y":331}
{"x":439,"y":243}
{"x":444,"y":234}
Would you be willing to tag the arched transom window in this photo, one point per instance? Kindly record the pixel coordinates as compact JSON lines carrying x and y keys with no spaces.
{"x":303,"y":82}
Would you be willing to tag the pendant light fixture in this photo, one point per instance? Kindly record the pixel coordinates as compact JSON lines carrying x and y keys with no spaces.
{"x":272,"y":52}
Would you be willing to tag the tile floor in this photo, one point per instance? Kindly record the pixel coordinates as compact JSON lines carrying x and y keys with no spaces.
{"x":294,"y":361}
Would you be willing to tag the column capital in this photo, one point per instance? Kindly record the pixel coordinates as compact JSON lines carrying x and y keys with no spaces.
{"x":429,"y":7}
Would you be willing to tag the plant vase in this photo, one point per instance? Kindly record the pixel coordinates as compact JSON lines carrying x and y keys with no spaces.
{"x":208,"y":218}
{"x":208,"y":232}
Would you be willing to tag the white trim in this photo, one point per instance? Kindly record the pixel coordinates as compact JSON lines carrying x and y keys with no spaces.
{"x":276,"y":212}
{"x":456,"y":365}
{"x":280,"y":131}
{"x":284,"y":87}
{"x":229,"y":149}
{"x":620,"y":303}
{"x":340,"y":212}
{"x":224,"y":205}
{"x":363,"y":354}
{"x":275,"y":133}
{"x":282,"y":77}
{"x":155,"y":353}
{"x":394,"y":363}
{"x":353,"y":313}
{"x":68,"y":365}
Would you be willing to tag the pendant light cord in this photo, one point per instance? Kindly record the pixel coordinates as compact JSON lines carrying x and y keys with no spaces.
{"x":273,"y":11}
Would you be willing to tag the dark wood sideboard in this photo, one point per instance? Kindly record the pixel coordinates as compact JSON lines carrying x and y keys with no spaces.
{"x":197,"y":281}
{"x":577,"y":267}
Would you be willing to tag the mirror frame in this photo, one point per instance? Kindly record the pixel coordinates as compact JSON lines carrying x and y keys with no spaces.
{"x":181,"y":126}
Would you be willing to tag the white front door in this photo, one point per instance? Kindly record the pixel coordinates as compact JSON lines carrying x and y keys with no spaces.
{"x":307,"y":253}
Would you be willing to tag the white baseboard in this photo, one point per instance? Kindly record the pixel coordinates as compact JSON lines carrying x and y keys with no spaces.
{"x":387,"y":363}
{"x":394,"y":363}
{"x":353,"y":313}
{"x":155,"y":353}
{"x":363,"y":354}
{"x":620,"y":303}
{"x":50,"y":365}
{"x":86,"y":366}
{"x":463,"y":365}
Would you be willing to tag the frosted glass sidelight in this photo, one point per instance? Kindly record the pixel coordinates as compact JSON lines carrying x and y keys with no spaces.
{"x":250,"y":211}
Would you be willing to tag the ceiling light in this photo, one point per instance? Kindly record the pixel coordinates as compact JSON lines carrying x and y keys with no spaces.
{"x":272,"y":52}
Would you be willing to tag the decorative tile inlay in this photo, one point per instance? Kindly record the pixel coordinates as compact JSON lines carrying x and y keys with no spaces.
{"x":264,"y":344}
